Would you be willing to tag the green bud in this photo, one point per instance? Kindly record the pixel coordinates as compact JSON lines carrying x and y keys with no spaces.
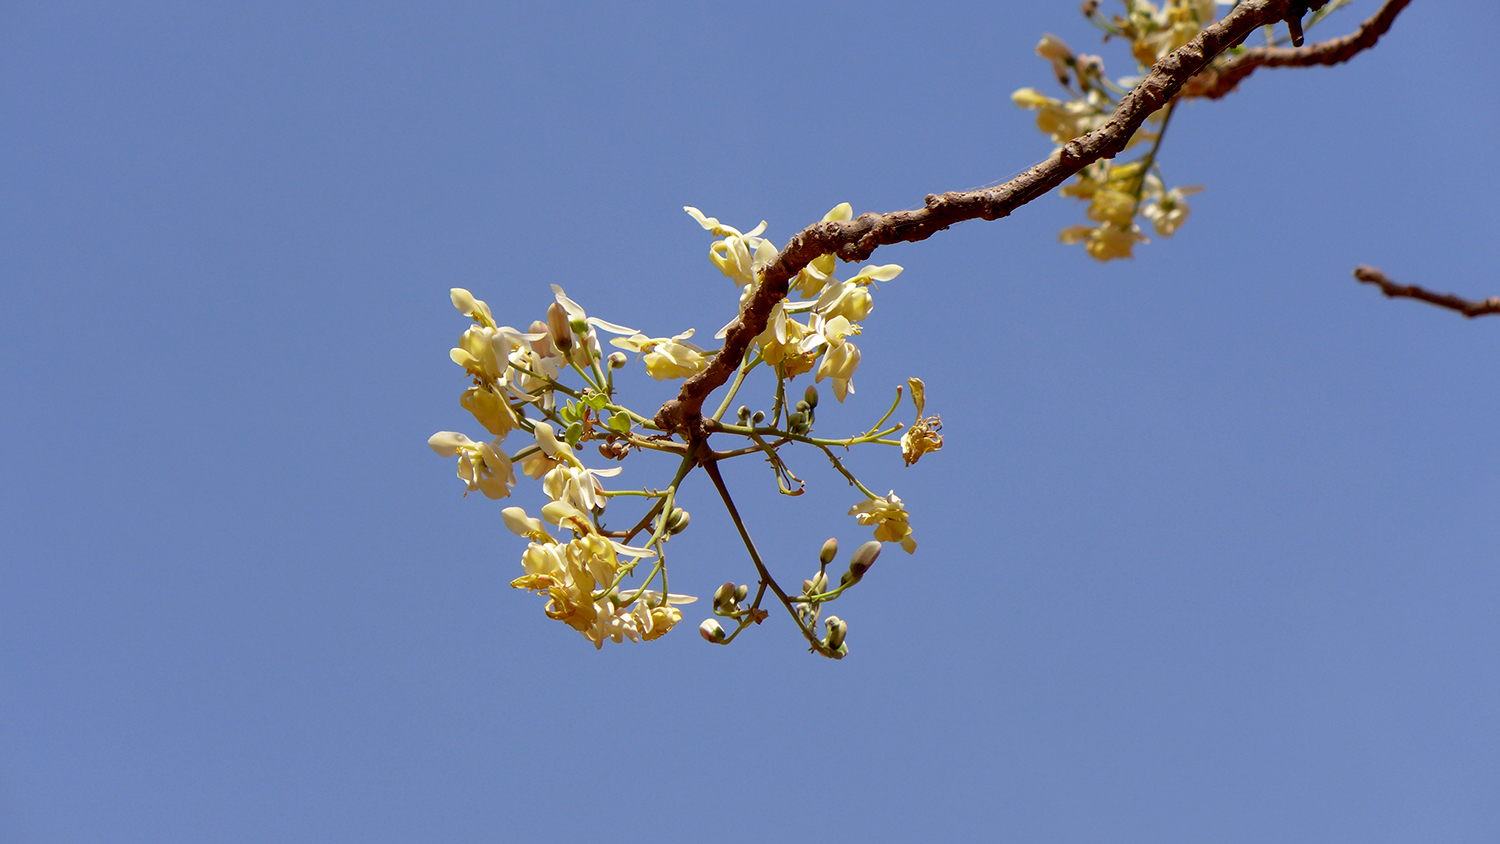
{"x":677,"y":521}
{"x":811,"y":396}
{"x":744,"y":413}
{"x":741,"y":592}
{"x":803,"y":407}
{"x":759,"y":417}
{"x":830,"y":550}
{"x":796,"y":423}
{"x":617,"y":360}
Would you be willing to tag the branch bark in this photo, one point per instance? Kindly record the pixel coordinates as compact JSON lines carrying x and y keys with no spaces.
{"x":1469,"y":308}
{"x":1215,"y":82}
{"x":856,"y":239}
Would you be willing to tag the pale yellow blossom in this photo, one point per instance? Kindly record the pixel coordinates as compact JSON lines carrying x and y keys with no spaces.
{"x":890,"y":518}
{"x":666,"y":357}
{"x":482,"y":466}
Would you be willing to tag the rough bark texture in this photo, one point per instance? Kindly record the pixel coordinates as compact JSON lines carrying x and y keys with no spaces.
{"x":1215,"y":82}
{"x":856,"y":239}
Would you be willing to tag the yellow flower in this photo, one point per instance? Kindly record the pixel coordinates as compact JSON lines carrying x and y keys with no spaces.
{"x":482,"y":466}
{"x":1105,"y":242}
{"x":492,"y":411}
{"x":889,"y":516}
{"x":666,"y":357}
{"x":781,"y":342}
{"x":840,"y":358}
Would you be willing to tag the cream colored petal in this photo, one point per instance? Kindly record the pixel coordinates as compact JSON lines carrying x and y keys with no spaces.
{"x":447,"y":443}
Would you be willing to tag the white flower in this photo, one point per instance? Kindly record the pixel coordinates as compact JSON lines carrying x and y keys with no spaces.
{"x":666,"y":357}
{"x":482,"y":466}
{"x":840,"y":358}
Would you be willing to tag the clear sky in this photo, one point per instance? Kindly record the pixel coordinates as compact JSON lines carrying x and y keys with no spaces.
{"x":1210,"y":554}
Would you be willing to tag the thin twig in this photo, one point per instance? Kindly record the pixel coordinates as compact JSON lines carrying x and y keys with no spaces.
{"x":1468,"y":308}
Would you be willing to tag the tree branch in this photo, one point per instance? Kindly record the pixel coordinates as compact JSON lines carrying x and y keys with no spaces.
{"x":855,"y":240}
{"x":1471,"y":309}
{"x":1215,"y":82}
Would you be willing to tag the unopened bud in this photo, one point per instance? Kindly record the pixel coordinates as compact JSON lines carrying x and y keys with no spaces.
{"x":820,"y":582}
{"x":617,"y":360}
{"x":744,"y":412}
{"x":837,"y":630}
{"x":864,"y":557}
{"x":711,"y":631}
{"x":557,"y":327}
{"x":807,"y":586}
{"x":677,"y":521}
{"x":830,"y":550}
{"x":724,"y":595}
{"x":1053,"y":49}
{"x":758,"y":417}
{"x":810,"y":395}
{"x":796,"y":423}
{"x":803,"y":407}
{"x":741,"y":591}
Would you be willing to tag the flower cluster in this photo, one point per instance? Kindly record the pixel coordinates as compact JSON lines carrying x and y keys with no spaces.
{"x":516,"y":383}
{"x":1117,"y":194}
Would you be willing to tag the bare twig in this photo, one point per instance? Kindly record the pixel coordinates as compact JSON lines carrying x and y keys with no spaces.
{"x":855,"y":240}
{"x":1468,"y":308}
{"x":1215,"y":82}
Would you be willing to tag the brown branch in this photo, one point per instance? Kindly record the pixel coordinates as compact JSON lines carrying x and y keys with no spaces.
{"x":1468,"y":308}
{"x":855,"y":240}
{"x":1215,"y":82}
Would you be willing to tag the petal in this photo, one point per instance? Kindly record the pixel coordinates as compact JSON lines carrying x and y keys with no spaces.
{"x":447,"y":443}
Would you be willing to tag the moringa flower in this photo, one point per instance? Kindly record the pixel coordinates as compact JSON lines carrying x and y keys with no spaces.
{"x":482,"y":466}
{"x":890,"y":518}
{"x":666,"y":357}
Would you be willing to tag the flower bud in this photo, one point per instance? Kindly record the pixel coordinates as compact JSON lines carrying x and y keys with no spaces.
{"x":758,"y":417}
{"x":557,"y":327}
{"x":724,"y":596}
{"x":803,"y":407}
{"x":617,"y":360}
{"x":796,"y":423}
{"x":830,"y":550}
{"x":820,"y":582}
{"x":744,"y":413}
{"x":807,"y":586}
{"x":677,"y":521}
{"x":864,"y":557}
{"x":741,"y":591}
{"x":711,"y":631}
{"x":1053,"y":49}
{"x":810,"y":395}
{"x":837,"y":630}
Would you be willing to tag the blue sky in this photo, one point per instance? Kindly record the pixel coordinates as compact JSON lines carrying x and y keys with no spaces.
{"x":1209,"y":554}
